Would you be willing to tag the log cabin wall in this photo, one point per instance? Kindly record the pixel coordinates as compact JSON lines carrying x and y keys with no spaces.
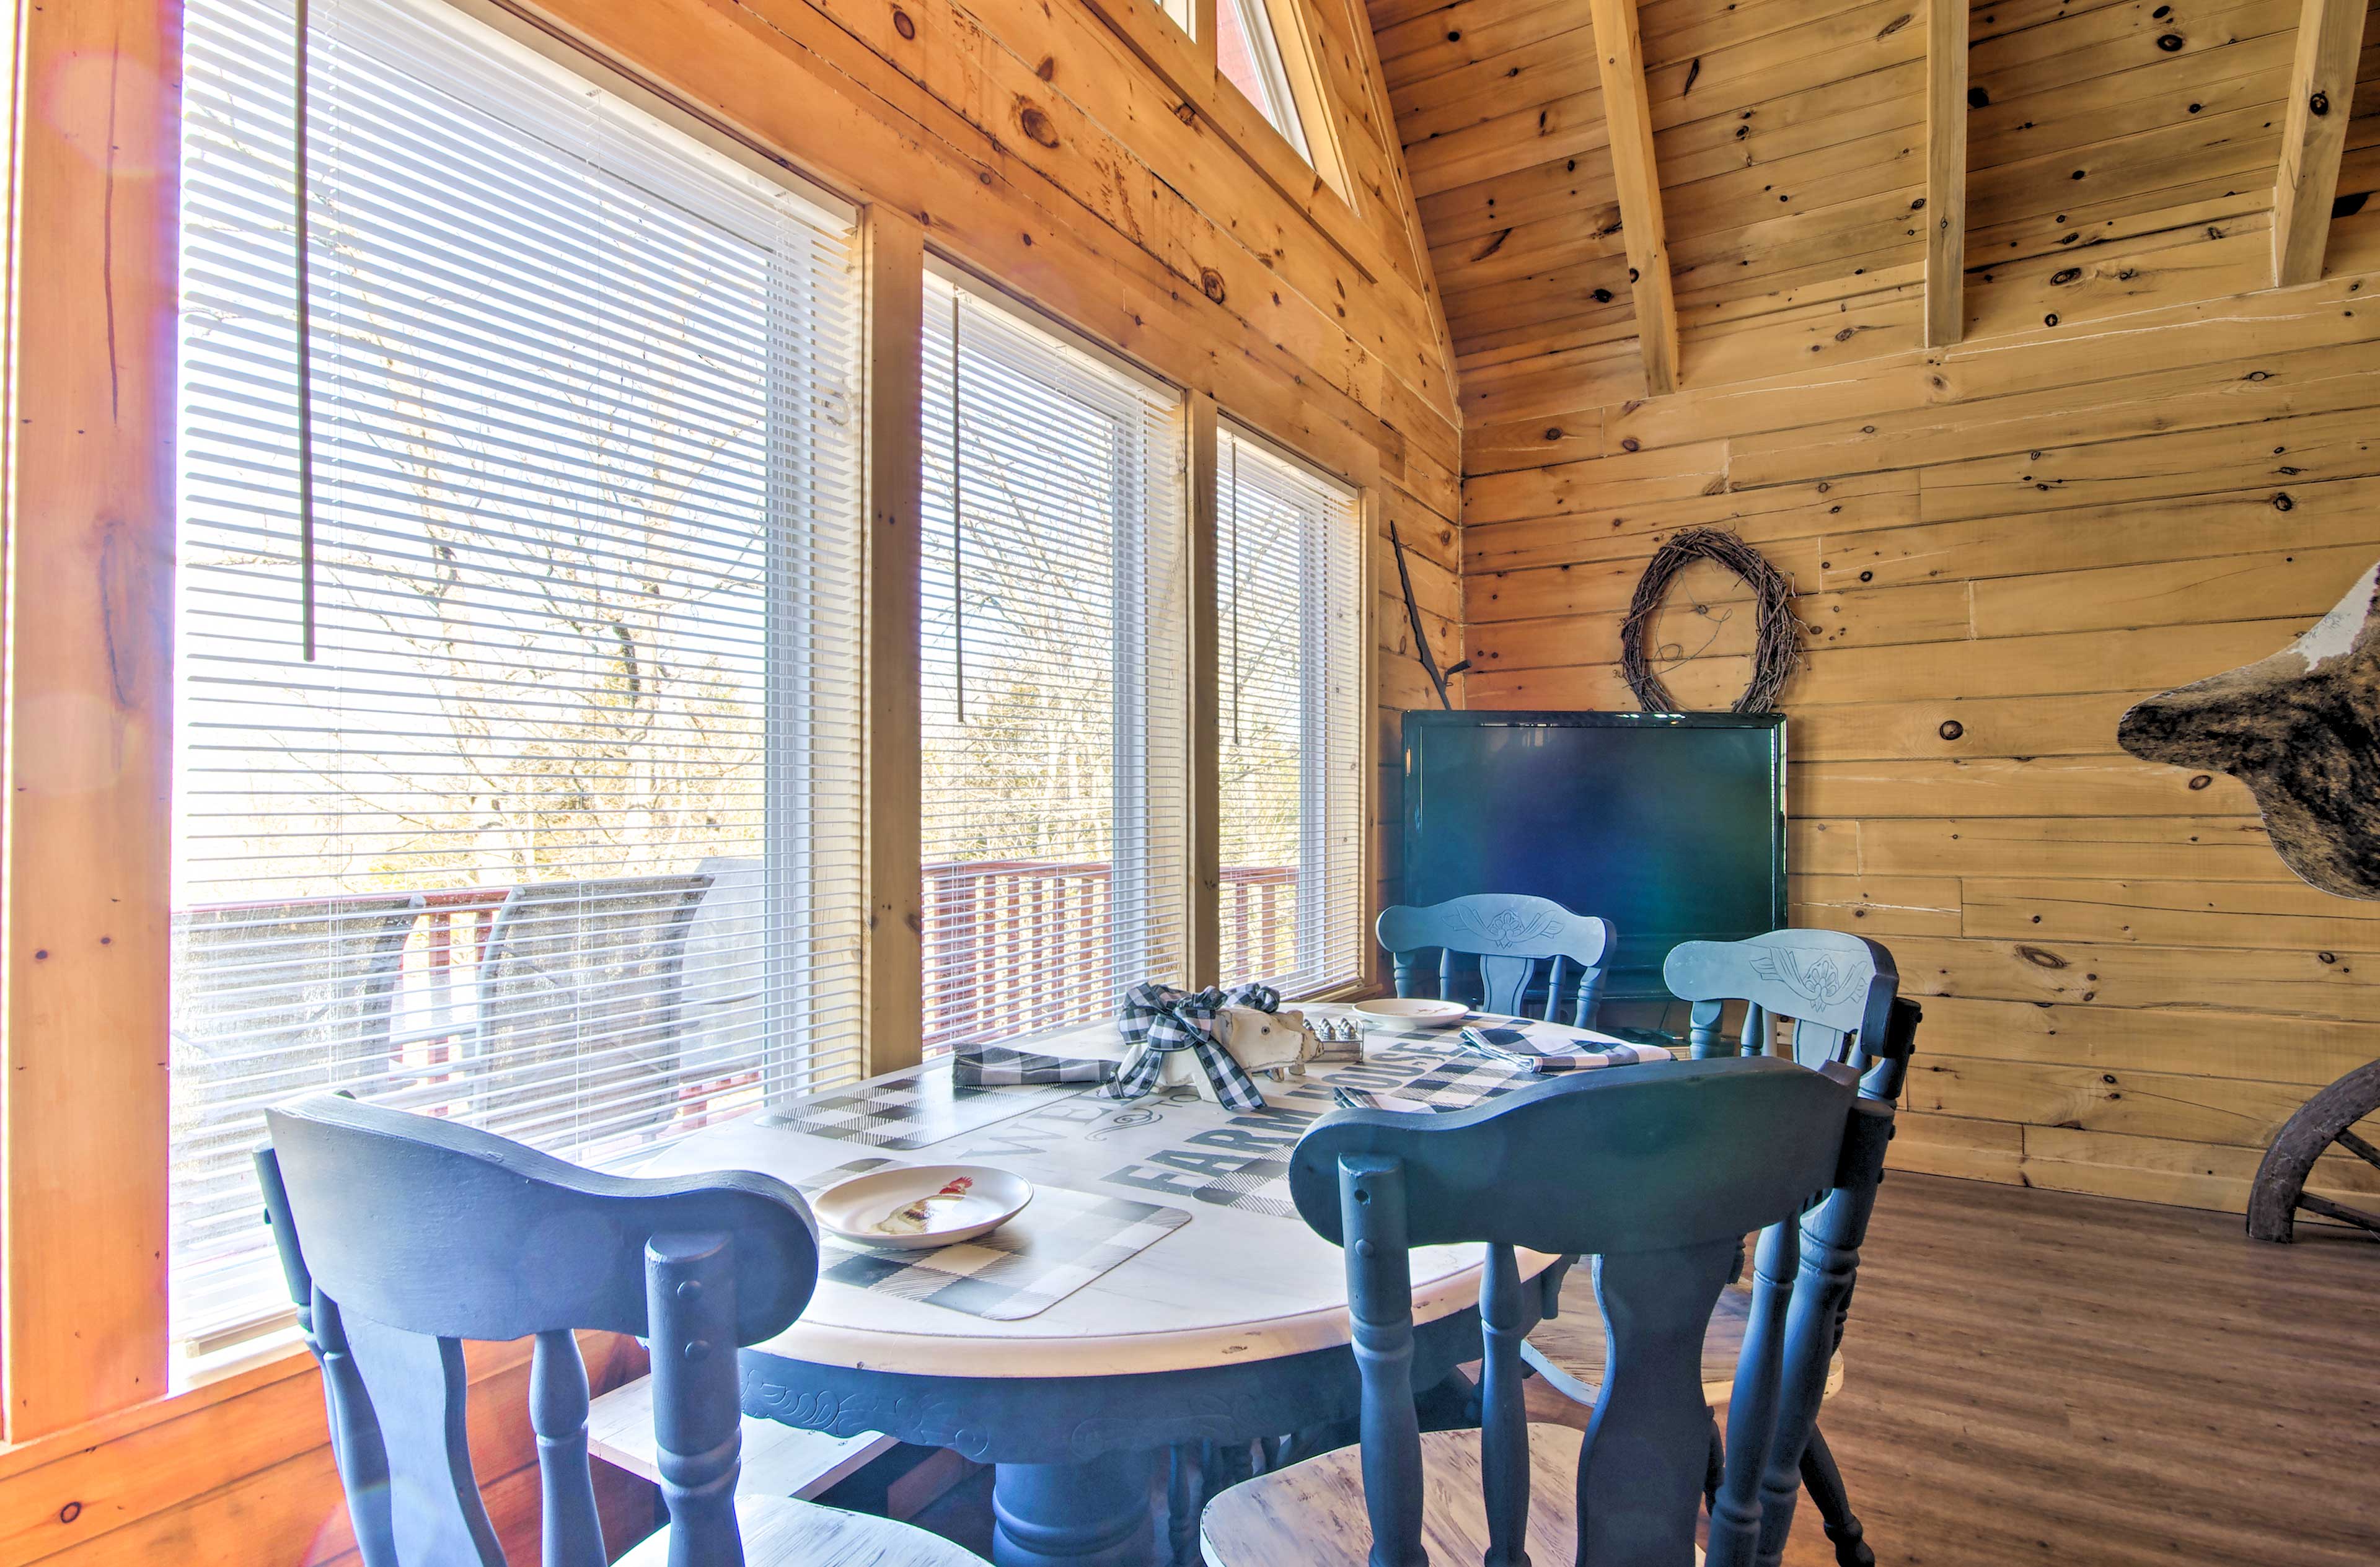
{"x":2129,"y":462}
{"x":1089,"y":160}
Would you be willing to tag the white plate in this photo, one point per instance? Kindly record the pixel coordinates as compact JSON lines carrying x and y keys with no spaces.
{"x":1413,"y":1011}
{"x":854,"y":1209}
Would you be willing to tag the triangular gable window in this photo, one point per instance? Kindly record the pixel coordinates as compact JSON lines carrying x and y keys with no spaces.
{"x":1249,"y":54}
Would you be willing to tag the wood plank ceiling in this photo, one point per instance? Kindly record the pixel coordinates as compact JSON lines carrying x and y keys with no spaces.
{"x":1789,"y":141}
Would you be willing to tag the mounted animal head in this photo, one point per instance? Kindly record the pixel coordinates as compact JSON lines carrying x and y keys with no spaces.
{"x":2302,"y":730}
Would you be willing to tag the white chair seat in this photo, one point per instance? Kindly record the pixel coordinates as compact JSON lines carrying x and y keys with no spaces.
{"x":1311,"y":1514}
{"x":779,"y":1460}
{"x":779,"y":1532}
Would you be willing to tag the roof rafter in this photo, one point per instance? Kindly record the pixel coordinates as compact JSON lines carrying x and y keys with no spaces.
{"x":2321,"y":92}
{"x":1627,"y":113}
{"x":1946,"y":170}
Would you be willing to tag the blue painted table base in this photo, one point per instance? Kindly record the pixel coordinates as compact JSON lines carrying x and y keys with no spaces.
{"x":1093,"y":1514}
{"x":1075,"y":1454}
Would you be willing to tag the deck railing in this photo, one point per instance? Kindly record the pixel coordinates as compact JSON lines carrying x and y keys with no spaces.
{"x":1015,"y":946}
{"x":1011,"y":947}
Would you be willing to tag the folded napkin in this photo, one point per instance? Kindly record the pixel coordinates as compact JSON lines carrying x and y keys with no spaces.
{"x":1516,"y":1047}
{"x":1000,"y":1065}
{"x":1159,"y":1019}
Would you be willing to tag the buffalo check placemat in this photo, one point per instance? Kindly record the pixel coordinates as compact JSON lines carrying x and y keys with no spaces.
{"x":1062,"y":1241}
{"x":915,"y":1110}
{"x":1246,"y":1167}
{"x":1457,"y":1083}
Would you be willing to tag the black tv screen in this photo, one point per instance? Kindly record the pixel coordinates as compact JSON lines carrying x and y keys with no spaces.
{"x":1671,"y":825}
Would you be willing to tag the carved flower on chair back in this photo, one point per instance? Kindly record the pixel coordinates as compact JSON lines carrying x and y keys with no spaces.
{"x":1510,"y":929}
{"x":1817,"y":977}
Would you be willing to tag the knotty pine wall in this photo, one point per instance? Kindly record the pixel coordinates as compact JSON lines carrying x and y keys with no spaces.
{"x":1999,"y":549}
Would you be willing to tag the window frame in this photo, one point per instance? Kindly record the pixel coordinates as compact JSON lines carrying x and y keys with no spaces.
{"x":1311,"y":784}
{"x":805,"y":1021}
{"x":91,"y":484}
{"x":1137,"y":727}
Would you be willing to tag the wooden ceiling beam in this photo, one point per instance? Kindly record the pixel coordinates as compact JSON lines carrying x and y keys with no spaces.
{"x":1620,"y":60}
{"x":1946,"y":170}
{"x":2322,"y":92}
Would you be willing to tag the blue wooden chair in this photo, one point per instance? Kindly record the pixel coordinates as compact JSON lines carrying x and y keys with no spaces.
{"x":1658,"y":1172}
{"x":1835,"y":989}
{"x":1838,"y":994}
{"x":401,"y":1235}
{"x":1510,"y":934}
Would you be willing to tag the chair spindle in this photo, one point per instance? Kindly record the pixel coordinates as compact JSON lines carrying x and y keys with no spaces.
{"x":1702,"y":1030}
{"x":557,"y":1412}
{"x":1379,"y":1304}
{"x":690,"y":1303}
{"x":1752,"y":1412}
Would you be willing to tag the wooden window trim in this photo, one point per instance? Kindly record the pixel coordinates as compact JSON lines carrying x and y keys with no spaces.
{"x":90,"y":515}
{"x":893,"y":254}
{"x":1299,"y":40}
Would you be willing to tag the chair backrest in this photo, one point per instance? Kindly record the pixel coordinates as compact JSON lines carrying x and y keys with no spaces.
{"x":584,"y":981}
{"x":1836,"y":989}
{"x":1658,"y":1171}
{"x":1510,"y":933}
{"x":402,"y":1235}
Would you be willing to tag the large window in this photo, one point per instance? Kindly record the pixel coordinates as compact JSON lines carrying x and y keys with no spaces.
{"x":1052,"y":653}
{"x":1289,"y":560}
{"x":520,"y":755}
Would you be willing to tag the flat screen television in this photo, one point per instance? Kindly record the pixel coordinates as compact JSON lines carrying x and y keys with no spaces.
{"x":1671,"y":825}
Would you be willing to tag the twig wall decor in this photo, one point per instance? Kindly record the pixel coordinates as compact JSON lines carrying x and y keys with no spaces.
{"x":1777,"y":645}
{"x":1421,"y":637}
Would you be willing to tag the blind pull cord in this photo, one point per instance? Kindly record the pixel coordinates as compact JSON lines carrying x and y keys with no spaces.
{"x":305,"y":314}
{"x":958,"y":523}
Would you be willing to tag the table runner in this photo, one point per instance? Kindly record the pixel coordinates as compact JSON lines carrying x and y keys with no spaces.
{"x":1062,"y":1241}
{"x":921,"y":1106}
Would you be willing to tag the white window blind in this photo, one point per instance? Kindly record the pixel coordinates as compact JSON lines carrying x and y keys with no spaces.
{"x":559,"y":832}
{"x":1290,"y":555}
{"x":1052,"y":656}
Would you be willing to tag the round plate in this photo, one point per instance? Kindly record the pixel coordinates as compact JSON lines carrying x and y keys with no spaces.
{"x":1413,"y":1011}
{"x":854,"y":1209}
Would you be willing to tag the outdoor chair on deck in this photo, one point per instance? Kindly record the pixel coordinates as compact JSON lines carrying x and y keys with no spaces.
{"x":581,"y":993}
{"x":1509,"y":934}
{"x":1658,"y":1171}
{"x":271,"y":1000}
{"x":402,"y":1235}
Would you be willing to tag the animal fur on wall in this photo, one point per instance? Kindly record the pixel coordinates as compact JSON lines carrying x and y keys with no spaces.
{"x":2302,"y":730}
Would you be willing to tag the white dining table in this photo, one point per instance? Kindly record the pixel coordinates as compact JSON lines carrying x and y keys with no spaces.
{"x":1231,"y":1326}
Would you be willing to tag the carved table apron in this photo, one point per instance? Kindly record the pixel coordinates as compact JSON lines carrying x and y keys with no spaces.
{"x":1232,"y":1328}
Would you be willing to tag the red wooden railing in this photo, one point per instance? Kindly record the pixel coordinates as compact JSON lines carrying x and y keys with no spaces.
{"x":1011,"y":947}
{"x":1016,"y":946}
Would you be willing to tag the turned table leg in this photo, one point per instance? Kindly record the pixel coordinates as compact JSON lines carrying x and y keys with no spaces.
{"x":1089,"y":1514}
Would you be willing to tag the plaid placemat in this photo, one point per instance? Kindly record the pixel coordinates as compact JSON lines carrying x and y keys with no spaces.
{"x":913,"y":1111}
{"x":1457,"y":1083}
{"x":1063,"y":1241}
{"x":1247,"y":1167}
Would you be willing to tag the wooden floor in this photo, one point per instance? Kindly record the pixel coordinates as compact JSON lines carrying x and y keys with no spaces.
{"x":2035,"y":1376}
{"x":2040,"y":1377}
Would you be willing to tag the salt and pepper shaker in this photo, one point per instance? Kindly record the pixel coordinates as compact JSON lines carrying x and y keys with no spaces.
{"x":1335,"y":1038}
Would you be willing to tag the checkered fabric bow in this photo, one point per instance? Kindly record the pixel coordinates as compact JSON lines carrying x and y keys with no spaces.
{"x":1159,"y":1019}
